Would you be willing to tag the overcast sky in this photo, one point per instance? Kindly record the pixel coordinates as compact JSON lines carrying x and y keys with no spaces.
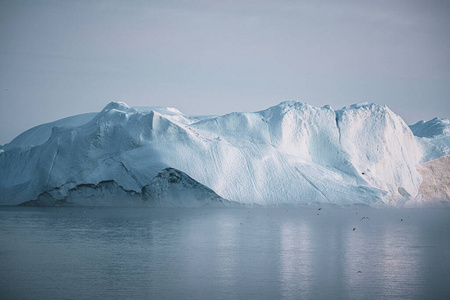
{"x":60,"y":58}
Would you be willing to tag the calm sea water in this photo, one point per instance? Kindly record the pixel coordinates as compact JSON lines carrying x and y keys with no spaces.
{"x":292,"y":253}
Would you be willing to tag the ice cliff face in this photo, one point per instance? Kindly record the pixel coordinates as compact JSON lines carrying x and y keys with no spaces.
{"x":435,"y":186}
{"x":434,"y":136}
{"x":289,"y":153}
{"x":170,"y":188}
{"x":173,"y":188}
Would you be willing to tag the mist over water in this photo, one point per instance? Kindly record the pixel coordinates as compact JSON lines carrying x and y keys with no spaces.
{"x":133,"y":253}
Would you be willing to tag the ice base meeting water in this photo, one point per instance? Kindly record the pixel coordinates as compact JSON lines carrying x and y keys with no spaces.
{"x":259,"y":253}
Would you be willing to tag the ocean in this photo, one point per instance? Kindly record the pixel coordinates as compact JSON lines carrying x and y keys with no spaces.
{"x":354,"y":252}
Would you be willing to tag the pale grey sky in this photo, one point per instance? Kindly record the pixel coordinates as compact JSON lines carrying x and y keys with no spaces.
{"x":60,"y":58}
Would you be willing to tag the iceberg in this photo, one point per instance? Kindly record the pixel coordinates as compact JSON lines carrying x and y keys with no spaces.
{"x":434,"y":136}
{"x":291,"y":153}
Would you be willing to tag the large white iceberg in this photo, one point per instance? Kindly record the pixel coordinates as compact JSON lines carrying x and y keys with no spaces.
{"x":291,"y":153}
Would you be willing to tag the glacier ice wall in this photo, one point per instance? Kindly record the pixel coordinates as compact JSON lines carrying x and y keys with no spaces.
{"x":434,"y":137}
{"x":289,"y":153}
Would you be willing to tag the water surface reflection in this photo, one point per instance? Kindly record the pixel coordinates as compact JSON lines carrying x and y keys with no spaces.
{"x":286,"y":253}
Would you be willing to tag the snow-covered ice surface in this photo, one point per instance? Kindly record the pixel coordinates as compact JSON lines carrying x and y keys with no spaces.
{"x":40,"y":134}
{"x":432,"y":128}
{"x":290,"y":153}
{"x":434,"y":136}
